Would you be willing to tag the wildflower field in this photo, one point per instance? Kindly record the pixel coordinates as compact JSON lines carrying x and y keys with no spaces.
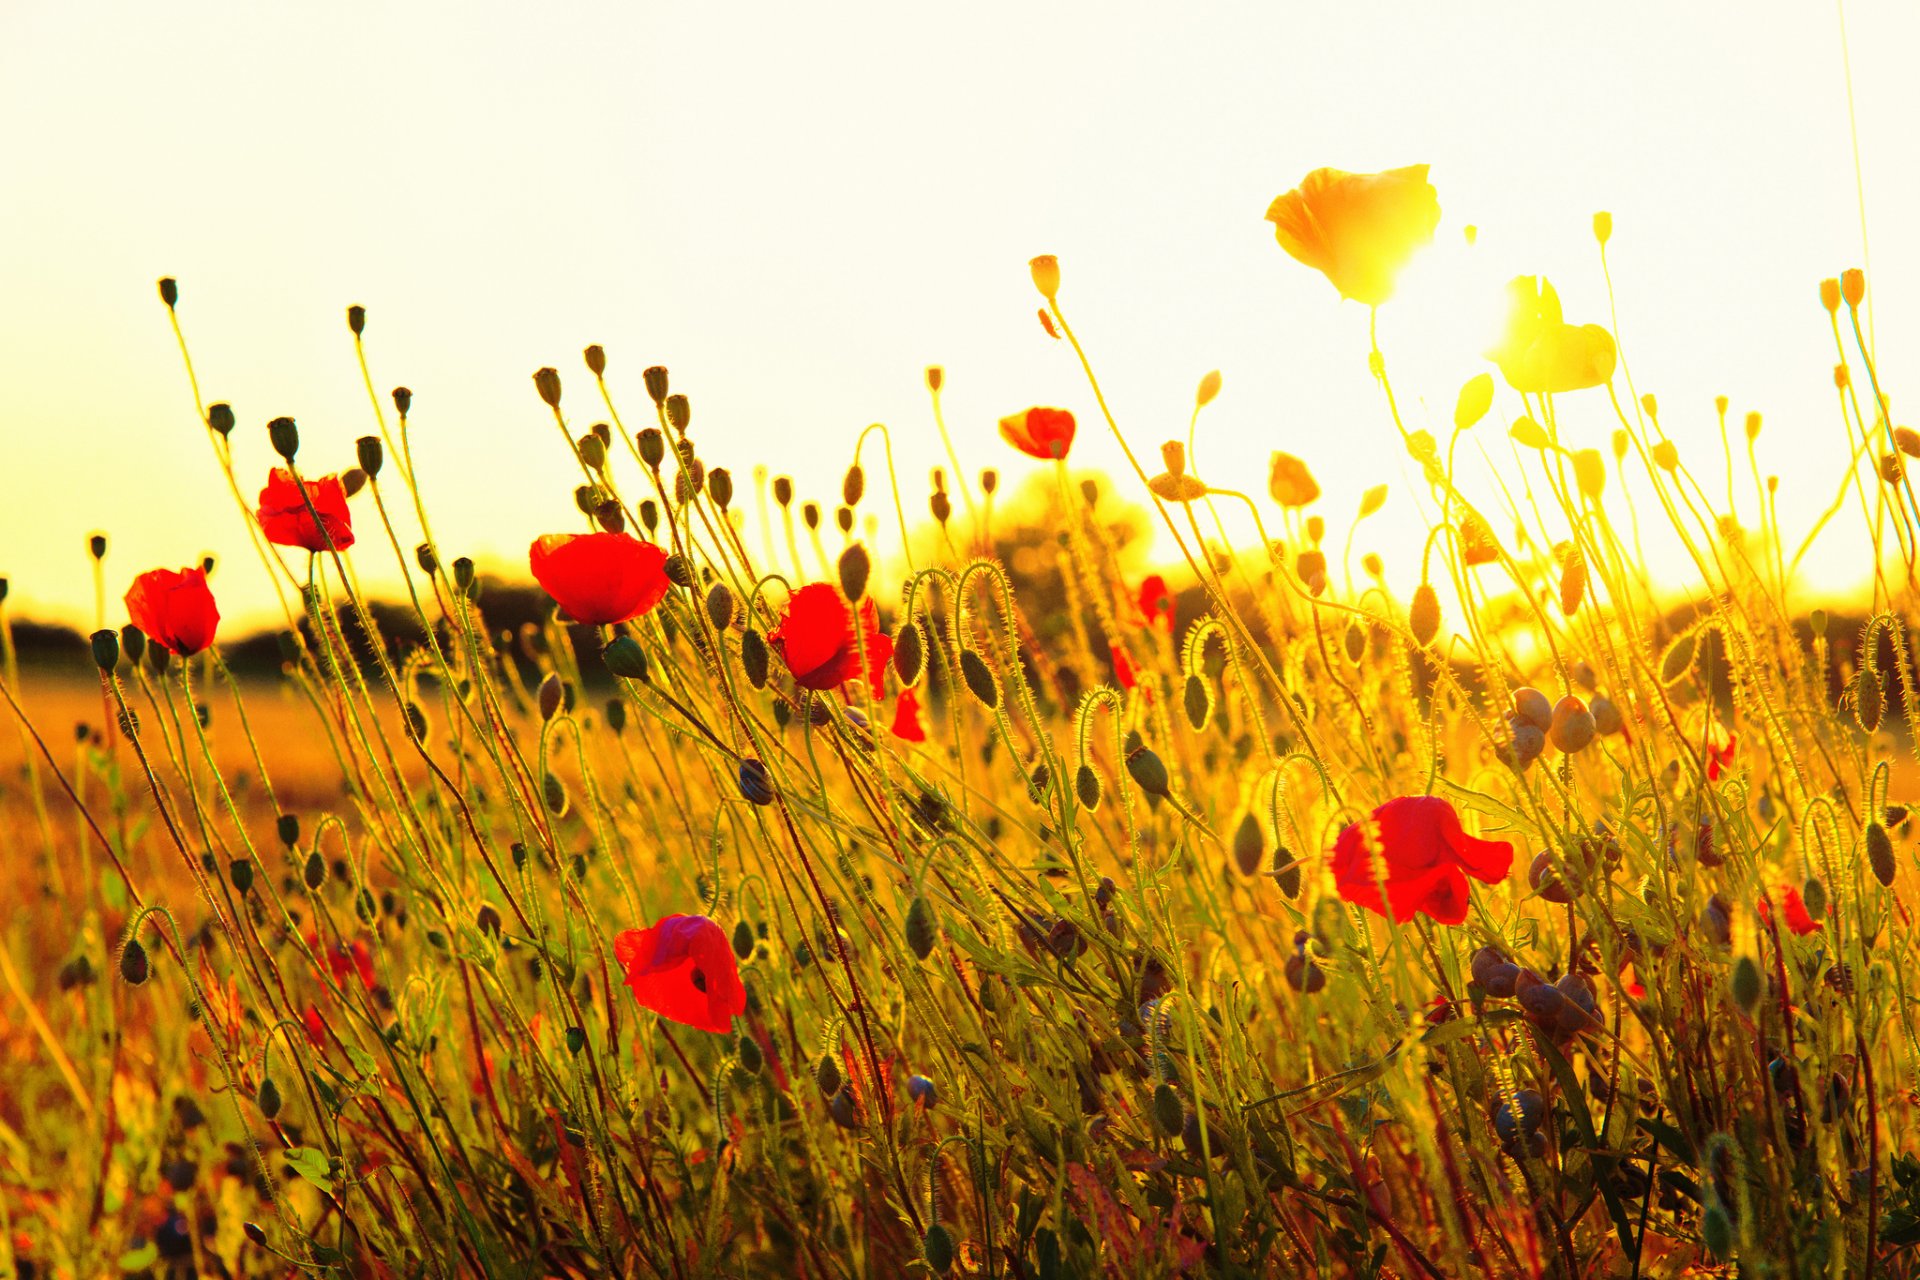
{"x":914,"y":887}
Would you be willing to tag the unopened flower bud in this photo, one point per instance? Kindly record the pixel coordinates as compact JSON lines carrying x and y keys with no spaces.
{"x":854,"y":568}
{"x":1209,"y":388}
{"x":1830,"y":295}
{"x":1046,"y":275}
{"x":106,"y":649}
{"x":1603,"y":227}
{"x":936,"y":378}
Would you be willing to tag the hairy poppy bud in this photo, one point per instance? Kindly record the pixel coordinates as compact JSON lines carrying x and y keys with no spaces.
{"x":1677,"y":661}
{"x":854,"y":485}
{"x":287,"y":827}
{"x":1606,"y":716}
{"x":742,"y":940}
{"x":134,"y":965}
{"x":1086,"y":785}
{"x":746,"y":1048}
{"x":220,"y":417}
{"x":284,"y":436}
{"x":267,"y":1097}
{"x":596,"y":358}
{"x":921,"y":930}
{"x":1869,"y":698}
{"x":753,"y":658}
{"x":1572,"y":726}
{"x":1046,"y":275}
{"x":720,"y":606}
{"x":169,"y":291}
{"x":854,"y":568}
{"x":1880,"y":854}
{"x":240,"y":873}
{"x":679,"y":570}
{"x":909,"y":653}
{"x":679,"y":412}
{"x":1303,"y":975}
{"x":1147,"y":769}
{"x":1528,"y":741}
{"x":1247,"y":845}
{"x":826,"y":1075}
{"x":547,"y":382}
{"x":314,"y":873}
{"x":1746,"y":983}
{"x":371,"y":455}
{"x":549,"y":696}
{"x":720,"y":487}
{"x":937,"y":1247}
{"x":1168,"y":1111}
{"x":979,"y":678}
{"x":133,"y":642}
{"x":106,"y":649}
{"x":1531,"y":705}
{"x":755,"y":783}
{"x":616,"y":712}
{"x":1423,"y":617}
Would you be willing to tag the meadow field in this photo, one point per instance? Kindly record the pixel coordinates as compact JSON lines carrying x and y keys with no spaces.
{"x":930,"y":883}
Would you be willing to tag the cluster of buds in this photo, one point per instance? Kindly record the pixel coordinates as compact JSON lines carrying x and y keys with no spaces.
{"x":1560,"y":1010}
{"x":1517,"y":1122}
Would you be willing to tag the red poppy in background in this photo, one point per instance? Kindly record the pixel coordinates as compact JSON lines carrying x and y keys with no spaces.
{"x":1357,"y":228}
{"x":683,"y":969}
{"x":1798,"y":918}
{"x":1039,"y":433}
{"x":175,"y":609}
{"x":1424,"y":859}
{"x":1156,"y":602}
{"x":1719,"y":753}
{"x":906,"y":717}
{"x":817,"y":640}
{"x":285,"y":520}
{"x":599,"y":578}
{"x":1123,"y":672}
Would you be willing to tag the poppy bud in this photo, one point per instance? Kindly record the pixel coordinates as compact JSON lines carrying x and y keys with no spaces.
{"x":649,"y":514}
{"x":625,"y":658}
{"x":1046,"y":278}
{"x":922,"y":1090}
{"x":134,"y":965}
{"x":549,"y":696}
{"x":1603,"y":227}
{"x":106,"y":650}
{"x":655,"y":379}
{"x":371,"y":455}
{"x":314,"y":873}
{"x":487,"y":920}
{"x":1208,"y":389}
{"x":1869,"y":698}
{"x":979,"y":678}
{"x":1853,"y":287}
{"x":755,"y":783}
{"x":1423,"y":618}
{"x":746,"y":1048}
{"x":1606,"y":716}
{"x":720,"y":606}
{"x":921,"y":930}
{"x":720,"y":487}
{"x":554,"y":792}
{"x":1311,"y":565}
{"x":1247,"y":845}
{"x":854,"y":568}
{"x":402,"y":400}
{"x":1303,"y":975}
{"x":220,"y":417}
{"x":810,"y":514}
{"x":1880,"y":854}
{"x":1573,"y":726}
{"x":1086,"y":785}
{"x":854,"y":485}
{"x":1546,"y":881}
{"x":753,"y":658}
{"x":240,"y":873}
{"x":826,"y":1075}
{"x":287,"y":827}
{"x":267,"y":1097}
{"x":1528,"y":741}
{"x":547,"y":382}
{"x":596,"y":358}
{"x":937,"y":1247}
{"x":1892,"y":470}
{"x":1147,"y":769}
{"x":353,"y":480}
{"x":1746,"y":983}
{"x":284,"y":436}
{"x":1168,"y":1111}
{"x":909,"y":653}
{"x":616,"y":712}
{"x":1531,"y":705}
{"x":1573,"y":581}
{"x":133,"y":642}
{"x":941,"y":506}
{"x":678,"y":570}
{"x":679,"y":412}
{"x":169,"y":291}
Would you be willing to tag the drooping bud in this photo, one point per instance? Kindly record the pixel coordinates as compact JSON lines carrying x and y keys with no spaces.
{"x":1880,"y":854}
{"x":1423,"y":618}
{"x":753,"y":658}
{"x":625,"y":658}
{"x":979,"y":678}
{"x":135,"y":968}
{"x":909,"y":653}
{"x":1149,"y":771}
{"x":921,"y":930}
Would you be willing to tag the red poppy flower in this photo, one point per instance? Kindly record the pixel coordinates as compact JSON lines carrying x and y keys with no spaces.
{"x":1357,"y":228}
{"x":1039,"y":433}
{"x":1720,"y":755}
{"x":1423,"y":857}
{"x":1798,"y":918}
{"x":1156,"y":602}
{"x":599,"y":578}
{"x":906,"y":717}
{"x":817,"y":641}
{"x":316,"y":1027}
{"x":1123,"y":672}
{"x":683,"y":969}
{"x":285,"y":520}
{"x":175,"y":609}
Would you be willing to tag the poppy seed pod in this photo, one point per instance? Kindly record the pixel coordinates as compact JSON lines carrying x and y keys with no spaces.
{"x":220,"y":417}
{"x":135,"y":968}
{"x":679,"y":412}
{"x":652,"y":446}
{"x":979,"y":678}
{"x":720,"y":487}
{"x":592,"y":451}
{"x":357,"y":319}
{"x":854,"y":570}
{"x":783,"y":490}
{"x":284,"y":436}
{"x":655,"y":379}
{"x":546,"y":381}
{"x":596,"y":358}
{"x":1573,"y":726}
{"x":625,"y":658}
{"x":1148,"y":770}
{"x":97,"y":546}
{"x":371,"y":455}
{"x":1045,"y":270}
{"x":169,"y":291}
{"x":1853,"y":287}
{"x":853,"y":486}
{"x":810,"y":515}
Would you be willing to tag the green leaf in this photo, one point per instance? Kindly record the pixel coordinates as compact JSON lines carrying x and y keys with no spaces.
{"x":140,"y":1259}
{"x":312,"y":1165}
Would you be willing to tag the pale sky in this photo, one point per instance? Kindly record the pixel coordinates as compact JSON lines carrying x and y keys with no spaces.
{"x":797,"y":208}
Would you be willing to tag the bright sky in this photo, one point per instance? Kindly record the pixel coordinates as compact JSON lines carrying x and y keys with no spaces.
{"x":797,"y":208}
